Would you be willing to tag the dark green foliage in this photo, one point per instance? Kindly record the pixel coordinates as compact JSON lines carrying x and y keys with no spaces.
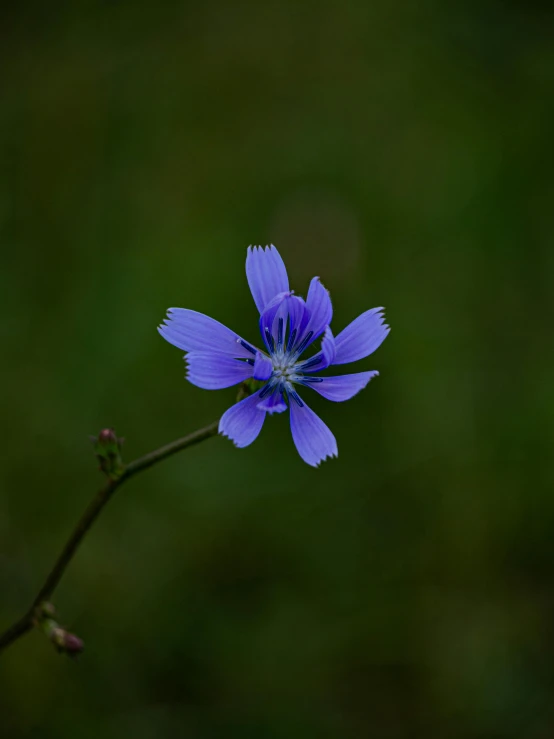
{"x":401,"y":152}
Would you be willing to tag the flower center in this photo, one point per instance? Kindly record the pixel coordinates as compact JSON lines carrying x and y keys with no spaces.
{"x":284,"y":371}
{"x":284,"y":352}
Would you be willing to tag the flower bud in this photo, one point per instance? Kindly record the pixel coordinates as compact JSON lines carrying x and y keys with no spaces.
{"x":62,"y":639}
{"x":107,"y":447}
{"x":66,"y":642}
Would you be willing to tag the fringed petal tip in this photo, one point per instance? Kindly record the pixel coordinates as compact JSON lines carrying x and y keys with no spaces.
{"x":320,"y":307}
{"x":164,"y":325}
{"x":237,"y":443}
{"x":380,"y":313}
{"x":330,"y":455}
{"x":266,"y":274}
{"x":255,"y":248}
{"x":226,"y":436}
{"x":361,"y":337}
{"x":314,"y":440}
{"x":196,"y":332}
{"x":316,"y":465}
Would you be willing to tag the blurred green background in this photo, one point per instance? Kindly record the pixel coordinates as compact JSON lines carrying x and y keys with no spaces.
{"x":403,"y":153}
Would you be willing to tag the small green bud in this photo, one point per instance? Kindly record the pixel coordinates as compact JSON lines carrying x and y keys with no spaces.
{"x":107,"y":447}
{"x":66,"y":642}
{"x":62,"y":639}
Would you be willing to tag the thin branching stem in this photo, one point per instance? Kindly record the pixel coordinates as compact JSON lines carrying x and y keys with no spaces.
{"x":95,"y":507}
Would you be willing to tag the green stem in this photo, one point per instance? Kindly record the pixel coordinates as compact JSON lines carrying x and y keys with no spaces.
{"x":95,"y":507}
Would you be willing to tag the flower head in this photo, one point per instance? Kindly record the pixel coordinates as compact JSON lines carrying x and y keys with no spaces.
{"x":217,"y":357}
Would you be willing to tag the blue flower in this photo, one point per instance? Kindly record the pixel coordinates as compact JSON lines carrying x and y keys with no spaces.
{"x":218,"y":357}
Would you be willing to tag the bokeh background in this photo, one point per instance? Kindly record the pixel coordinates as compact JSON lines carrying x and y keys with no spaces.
{"x":403,"y":152}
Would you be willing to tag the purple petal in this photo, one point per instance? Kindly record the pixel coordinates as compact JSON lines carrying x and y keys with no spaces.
{"x":216,"y":371}
{"x":295,"y":311}
{"x":273,"y":403}
{"x":267,"y":318}
{"x":362,"y":337}
{"x":266,"y":274}
{"x":193,"y":331}
{"x":243,"y":421}
{"x":312,"y":437}
{"x":328,"y":347}
{"x":319,"y":306}
{"x":322,"y":359}
{"x":285,"y":315}
{"x":340,"y":388}
{"x":262,"y":367}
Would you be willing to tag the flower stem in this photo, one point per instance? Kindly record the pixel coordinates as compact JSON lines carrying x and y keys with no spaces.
{"x":95,"y":507}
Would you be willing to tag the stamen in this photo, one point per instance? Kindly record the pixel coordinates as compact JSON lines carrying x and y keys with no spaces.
{"x":265,"y":391}
{"x":312,"y":379}
{"x":269,"y":340}
{"x":294,"y":395}
{"x":280,"y":335}
{"x":310,"y":362}
{"x":304,"y":343}
{"x":292,"y":339}
{"x":246,"y":346}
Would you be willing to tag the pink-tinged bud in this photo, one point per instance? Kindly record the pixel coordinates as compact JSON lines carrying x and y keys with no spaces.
{"x":107,"y":447}
{"x":67,"y":642}
{"x":107,"y":436}
{"x":63,"y":640}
